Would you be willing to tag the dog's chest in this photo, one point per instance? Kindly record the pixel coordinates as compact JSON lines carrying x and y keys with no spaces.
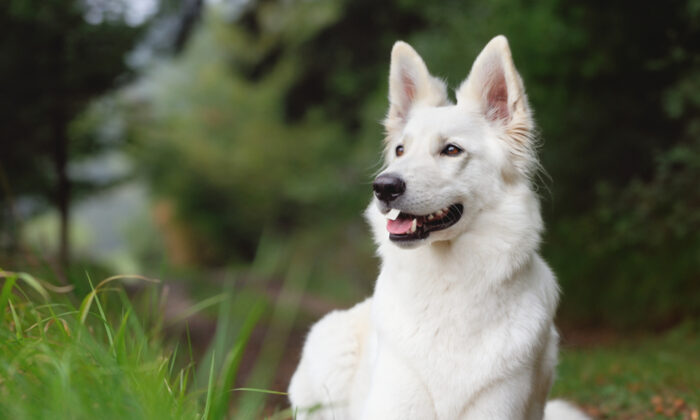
{"x":441,"y":337}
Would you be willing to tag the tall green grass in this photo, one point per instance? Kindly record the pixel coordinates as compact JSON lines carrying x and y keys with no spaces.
{"x":96,"y":358}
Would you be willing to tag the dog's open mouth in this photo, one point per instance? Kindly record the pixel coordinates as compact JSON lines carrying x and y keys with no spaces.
{"x":409,"y":227}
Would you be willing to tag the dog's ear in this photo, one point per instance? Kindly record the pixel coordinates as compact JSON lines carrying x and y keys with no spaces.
{"x":495,"y":85}
{"x":410,"y":84}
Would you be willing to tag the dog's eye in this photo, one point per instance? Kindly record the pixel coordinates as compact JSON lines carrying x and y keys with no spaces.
{"x":399,"y":150}
{"x":451,"y":150}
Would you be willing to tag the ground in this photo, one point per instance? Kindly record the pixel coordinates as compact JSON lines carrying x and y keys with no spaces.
{"x":632,"y":376}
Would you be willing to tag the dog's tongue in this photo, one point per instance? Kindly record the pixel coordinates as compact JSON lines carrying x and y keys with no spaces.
{"x":399,"y":226}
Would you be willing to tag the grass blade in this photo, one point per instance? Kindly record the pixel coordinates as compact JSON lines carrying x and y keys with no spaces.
{"x":27,"y":278}
{"x":6,"y":290}
{"x":210,"y":388}
{"x":87,"y":301}
{"x":261,"y":391}
{"x":233,"y":360}
{"x":18,"y":324}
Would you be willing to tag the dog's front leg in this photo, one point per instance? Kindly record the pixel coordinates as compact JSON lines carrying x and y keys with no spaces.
{"x":513,"y":398}
{"x":396,"y":391}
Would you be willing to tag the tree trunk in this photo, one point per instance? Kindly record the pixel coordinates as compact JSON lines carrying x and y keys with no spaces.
{"x":59,"y":116}
{"x":62,"y":188}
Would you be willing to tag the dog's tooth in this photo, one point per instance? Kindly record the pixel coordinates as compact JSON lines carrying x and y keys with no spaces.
{"x":445,"y":210}
{"x":438,"y":213}
{"x":431,"y":217}
{"x":393,"y":214}
{"x":414,"y":225}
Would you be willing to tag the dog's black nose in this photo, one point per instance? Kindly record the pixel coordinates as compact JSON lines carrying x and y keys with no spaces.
{"x":388,"y":187}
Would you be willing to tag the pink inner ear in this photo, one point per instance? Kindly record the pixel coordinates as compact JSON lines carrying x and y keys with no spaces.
{"x":497,"y":97}
{"x":408,"y":91}
{"x":409,"y":87}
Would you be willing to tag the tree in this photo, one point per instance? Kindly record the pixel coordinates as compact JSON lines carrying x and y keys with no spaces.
{"x":56,"y":56}
{"x":53,"y":63}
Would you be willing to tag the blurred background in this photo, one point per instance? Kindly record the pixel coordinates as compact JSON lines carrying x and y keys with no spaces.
{"x":230,"y":145}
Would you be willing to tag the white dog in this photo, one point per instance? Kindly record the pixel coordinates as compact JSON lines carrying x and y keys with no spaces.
{"x":460,"y":323}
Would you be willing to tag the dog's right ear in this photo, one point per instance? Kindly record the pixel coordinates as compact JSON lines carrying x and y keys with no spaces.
{"x":410,"y":84}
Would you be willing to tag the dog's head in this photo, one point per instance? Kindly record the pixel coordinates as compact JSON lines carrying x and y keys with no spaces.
{"x":446,"y":163}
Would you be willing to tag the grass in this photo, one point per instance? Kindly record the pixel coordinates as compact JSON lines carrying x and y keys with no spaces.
{"x":100,"y":360}
{"x":647,"y":377}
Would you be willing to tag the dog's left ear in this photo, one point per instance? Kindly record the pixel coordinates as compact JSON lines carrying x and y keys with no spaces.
{"x":497,"y":88}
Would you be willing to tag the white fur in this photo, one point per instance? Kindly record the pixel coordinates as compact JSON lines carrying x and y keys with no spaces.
{"x":460,"y":323}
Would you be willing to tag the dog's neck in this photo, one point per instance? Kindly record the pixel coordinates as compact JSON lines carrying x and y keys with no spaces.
{"x":500,"y":241}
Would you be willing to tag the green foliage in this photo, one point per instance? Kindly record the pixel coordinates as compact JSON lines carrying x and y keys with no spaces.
{"x":221,"y":145}
{"x":56,"y":364}
{"x":268,"y":122}
{"x":101,"y":360}
{"x":639,"y":249}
